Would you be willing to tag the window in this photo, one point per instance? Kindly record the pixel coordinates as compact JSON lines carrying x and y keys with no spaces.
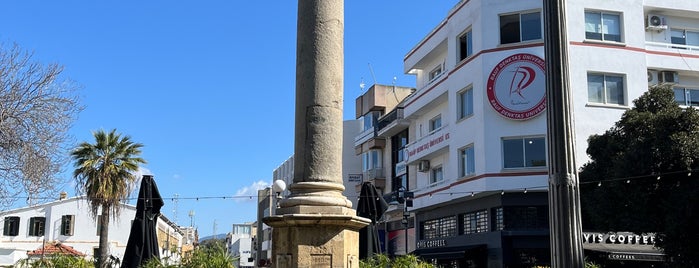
{"x":516,"y":28}
{"x":602,"y":26}
{"x":605,"y":89}
{"x":686,"y":96}
{"x":526,"y":218}
{"x":436,"y":72}
{"x":499,"y":219}
{"x":398,"y":143}
{"x":36,"y":226}
{"x":436,"y":175}
{"x":466,"y":162}
{"x":442,"y":227}
{"x":435,"y":123}
{"x":476,"y":222}
{"x":11,"y":226}
{"x":524,"y":152}
{"x":371,"y":119}
{"x":684,"y":37}
{"x":465,"y":45}
{"x":67,"y":223}
{"x":465,"y":103}
{"x":371,"y":160}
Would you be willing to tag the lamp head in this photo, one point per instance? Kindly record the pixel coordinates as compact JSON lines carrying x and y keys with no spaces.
{"x":279,"y":186}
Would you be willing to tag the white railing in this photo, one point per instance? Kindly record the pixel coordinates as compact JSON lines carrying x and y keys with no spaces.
{"x":672,"y":46}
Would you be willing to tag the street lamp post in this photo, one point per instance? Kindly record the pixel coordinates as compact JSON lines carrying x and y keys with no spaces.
{"x":404,"y":197}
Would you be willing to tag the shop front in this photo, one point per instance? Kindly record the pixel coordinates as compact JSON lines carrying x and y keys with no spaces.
{"x":622,"y":249}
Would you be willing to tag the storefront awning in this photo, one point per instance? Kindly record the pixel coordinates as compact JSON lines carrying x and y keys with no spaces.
{"x":627,"y":252}
{"x":444,"y":253}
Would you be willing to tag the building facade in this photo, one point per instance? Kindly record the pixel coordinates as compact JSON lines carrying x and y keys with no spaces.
{"x":68,"y":221}
{"x":473,"y":134}
{"x":239,"y":244}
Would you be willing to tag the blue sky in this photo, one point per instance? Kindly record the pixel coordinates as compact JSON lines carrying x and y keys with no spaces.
{"x":207,"y":86}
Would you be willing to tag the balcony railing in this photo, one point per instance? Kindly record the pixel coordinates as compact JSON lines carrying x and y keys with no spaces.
{"x":673,"y":46}
{"x":394,"y":115}
{"x":374,"y":173}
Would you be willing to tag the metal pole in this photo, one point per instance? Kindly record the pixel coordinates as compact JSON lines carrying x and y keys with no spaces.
{"x":564,"y":195}
{"x":405,"y":226}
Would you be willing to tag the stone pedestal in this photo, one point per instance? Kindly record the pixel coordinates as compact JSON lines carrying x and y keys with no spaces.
{"x":310,"y":241}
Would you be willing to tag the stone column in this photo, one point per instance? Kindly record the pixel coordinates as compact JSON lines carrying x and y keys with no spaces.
{"x":315,"y":225}
{"x":564,"y":191}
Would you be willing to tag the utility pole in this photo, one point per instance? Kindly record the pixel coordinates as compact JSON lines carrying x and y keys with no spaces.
{"x":564,"y":189}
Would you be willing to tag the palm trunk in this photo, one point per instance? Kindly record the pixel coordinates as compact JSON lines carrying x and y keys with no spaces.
{"x":104,"y":238}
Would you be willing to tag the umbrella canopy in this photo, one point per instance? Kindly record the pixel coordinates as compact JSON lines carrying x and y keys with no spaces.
{"x":371,"y":205}
{"x":143,"y":239}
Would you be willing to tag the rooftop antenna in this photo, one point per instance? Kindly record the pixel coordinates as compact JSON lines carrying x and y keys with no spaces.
{"x":372,"y":73}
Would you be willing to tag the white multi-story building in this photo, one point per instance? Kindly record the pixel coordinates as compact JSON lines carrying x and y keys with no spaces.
{"x":475,"y":127}
{"x":68,"y":221}
{"x":239,"y":244}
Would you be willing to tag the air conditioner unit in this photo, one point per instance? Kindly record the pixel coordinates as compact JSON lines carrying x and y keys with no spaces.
{"x":668,"y":77}
{"x":423,"y":166}
{"x":652,"y":78}
{"x":656,"y":22}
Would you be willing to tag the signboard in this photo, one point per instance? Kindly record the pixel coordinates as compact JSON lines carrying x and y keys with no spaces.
{"x":354,"y":177}
{"x":517,"y":87}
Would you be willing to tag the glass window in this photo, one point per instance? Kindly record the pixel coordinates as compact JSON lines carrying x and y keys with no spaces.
{"x":371,"y":160}
{"x":11,"y":226}
{"x":436,"y":123}
{"x":531,"y":26}
{"x":467,"y":163}
{"x":686,"y":96}
{"x":436,"y":72}
{"x":442,"y":227}
{"x":524,"y":152}
{"x":602,"y":26}
{"x":465,"y":45}
{"x":371,"y":119}
{"x":520,"y":27}
{"x":465,"y":103}
{"x":36,"y":226}
{"x":67,"y":223}
{"x":476,"y":222}
{"x":605,"y":88}
{"x":436,"y":175}
{"x":499,"y":219}
{"x":684,"y":37}
{"x":526,"y":218}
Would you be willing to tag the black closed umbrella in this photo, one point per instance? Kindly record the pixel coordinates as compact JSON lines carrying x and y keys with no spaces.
{"x":143,"y":239}
{"x":371,"y":205}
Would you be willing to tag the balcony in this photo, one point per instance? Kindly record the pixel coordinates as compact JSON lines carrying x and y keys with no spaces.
{"x":392,"y":123}
{"x":674,"y":47}
{"x":428,"y":145}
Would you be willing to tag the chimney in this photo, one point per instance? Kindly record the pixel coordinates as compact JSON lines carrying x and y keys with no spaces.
{"x":63,"y":195}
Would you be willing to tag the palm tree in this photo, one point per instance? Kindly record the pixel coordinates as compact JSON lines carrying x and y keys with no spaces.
{"x":105,"y":174}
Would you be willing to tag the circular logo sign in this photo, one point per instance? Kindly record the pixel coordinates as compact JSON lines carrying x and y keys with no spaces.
{"x":517,"y":87}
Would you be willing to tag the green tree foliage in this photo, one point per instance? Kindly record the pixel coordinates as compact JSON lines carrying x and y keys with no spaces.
{"x":645,"y":167}
{"x":105,"y":173}
{"x":55,"y":261}
{"x":383,"y":261}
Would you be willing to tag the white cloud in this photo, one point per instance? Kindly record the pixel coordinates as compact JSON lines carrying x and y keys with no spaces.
{"x":251,"y":190}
